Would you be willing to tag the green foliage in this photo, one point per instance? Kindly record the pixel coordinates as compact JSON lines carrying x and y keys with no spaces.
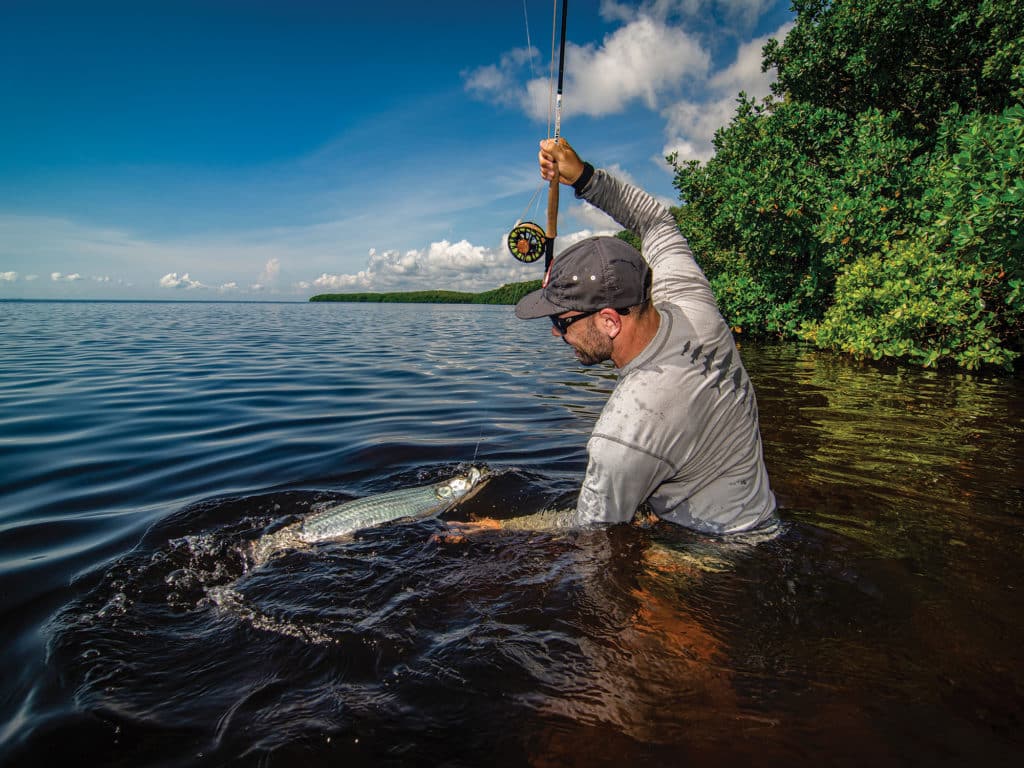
{"x":975,"y":205}
{"x":954,"y":292}
{"x":793,"y":193}
{"x":408,"y":297}
{"x":877,"y":207}
{"x":911,"y":57}
{"x":908,"y":301}
{"x":975,"y":198}
{"x":509,"y":293}
{"x":747,"y":302}
{"x":630,"y":238}
{"x":874,"y":193}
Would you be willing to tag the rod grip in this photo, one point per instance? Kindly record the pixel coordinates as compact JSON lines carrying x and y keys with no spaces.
{"x":552,"y":229}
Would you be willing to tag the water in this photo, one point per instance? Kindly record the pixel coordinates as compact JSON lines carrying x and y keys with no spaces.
{"x":142,"y":446}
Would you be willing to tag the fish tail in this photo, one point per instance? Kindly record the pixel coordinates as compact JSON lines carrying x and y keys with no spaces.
{"x":265,"y":547}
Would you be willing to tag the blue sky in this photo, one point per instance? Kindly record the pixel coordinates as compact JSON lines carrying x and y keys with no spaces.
{"x":255,"y":149}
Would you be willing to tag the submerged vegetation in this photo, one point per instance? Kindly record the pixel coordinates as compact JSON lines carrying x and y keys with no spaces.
{"x":873,"y":205}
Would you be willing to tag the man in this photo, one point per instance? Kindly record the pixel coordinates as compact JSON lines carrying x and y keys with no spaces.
{"x":680,"y":431}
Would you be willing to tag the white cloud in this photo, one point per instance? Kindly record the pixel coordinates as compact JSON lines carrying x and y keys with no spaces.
{"x":595,"y":219}
{"x":641,"y":61}
{"x":745,"y":74}
{"x":359,"y":280}
{"x":270,"y":272}
{"x":267,"y":281}
{"x":173,"y":280}
{"x":498,"y":82}
{"x":127,"y":258}
{"x":226,"y":287}
{"x":746,"y":11}
{"x":459,"y":266}
{"x":690,"y":125}
{"x":8,"y":277}
{"x":648,"y":61}
{"x":734,"y":11}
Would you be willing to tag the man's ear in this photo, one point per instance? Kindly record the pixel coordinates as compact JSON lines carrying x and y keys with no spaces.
{"x":610,"y":322}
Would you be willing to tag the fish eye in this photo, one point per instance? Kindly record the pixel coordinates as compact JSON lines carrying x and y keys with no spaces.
{"x":444,"y":492}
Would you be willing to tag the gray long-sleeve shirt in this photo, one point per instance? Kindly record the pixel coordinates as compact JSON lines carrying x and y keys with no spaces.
{"x":680,"y":430}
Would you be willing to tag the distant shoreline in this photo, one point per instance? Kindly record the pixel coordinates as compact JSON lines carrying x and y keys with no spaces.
{"x":510,"y":293}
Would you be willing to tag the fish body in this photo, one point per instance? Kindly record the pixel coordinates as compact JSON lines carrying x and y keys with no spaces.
{"x":345,"y":519}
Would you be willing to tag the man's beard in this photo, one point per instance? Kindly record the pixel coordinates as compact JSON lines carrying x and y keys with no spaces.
{"x":592,"y":347}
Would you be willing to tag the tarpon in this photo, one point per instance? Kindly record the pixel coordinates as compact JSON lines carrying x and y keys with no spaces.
{"x":344,"y":519}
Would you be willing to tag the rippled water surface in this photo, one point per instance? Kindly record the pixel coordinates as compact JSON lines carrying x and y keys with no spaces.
{"x":144,"y":446}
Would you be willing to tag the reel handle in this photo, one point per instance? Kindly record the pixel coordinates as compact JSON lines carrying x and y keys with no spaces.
{"x":527,"y":242}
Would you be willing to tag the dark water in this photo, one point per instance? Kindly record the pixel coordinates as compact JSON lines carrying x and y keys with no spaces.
{"x":143,"y":445}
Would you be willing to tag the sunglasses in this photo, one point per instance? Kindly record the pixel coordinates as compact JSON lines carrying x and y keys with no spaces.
{"x":562,"y":324}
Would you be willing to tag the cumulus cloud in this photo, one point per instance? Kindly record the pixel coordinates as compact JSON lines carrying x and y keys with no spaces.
{"x":499,"y":82}
{"x":639,"y":62}
{"x":690,"y":125}
{"x":595,"y":220}
{"x":270,"y":272}
{"x":642,"y":61}
{"x":129,"y":260}
{"x":649,"y":60}
{"x":745,"y":74}
{"x":8,"y":277}
{"x":744,"y":12}
{"x":458,"y":266}
{"x":173,"y":280}
{"x":59,"y":277}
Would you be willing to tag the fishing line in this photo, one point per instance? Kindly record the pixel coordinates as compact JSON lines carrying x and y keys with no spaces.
{"x":528,"y":241}
{"x":529,"y":45}
{"x":533,"y":204}
{"x":478,"y":441}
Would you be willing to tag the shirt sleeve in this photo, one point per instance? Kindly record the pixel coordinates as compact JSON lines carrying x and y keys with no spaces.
{"x":620,"y":477}
{"x":677,"y":276}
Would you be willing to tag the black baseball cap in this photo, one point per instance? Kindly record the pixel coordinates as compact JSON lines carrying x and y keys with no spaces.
{"x":590,"y":275}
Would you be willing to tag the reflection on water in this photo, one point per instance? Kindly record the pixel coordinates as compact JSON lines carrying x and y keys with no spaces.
{"x":879,"y":624}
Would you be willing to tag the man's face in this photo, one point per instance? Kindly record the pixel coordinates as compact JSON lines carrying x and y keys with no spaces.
{"x":591,"y":346}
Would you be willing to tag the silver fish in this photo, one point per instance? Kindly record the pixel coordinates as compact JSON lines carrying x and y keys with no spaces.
{"x":345,"y":519}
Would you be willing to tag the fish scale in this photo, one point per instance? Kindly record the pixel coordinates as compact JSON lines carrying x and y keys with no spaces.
{"x":351,"y":516}
{"x":375,"y":510}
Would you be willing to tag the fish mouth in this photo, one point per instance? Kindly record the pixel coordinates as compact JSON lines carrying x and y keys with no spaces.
{"x":465,"y":486}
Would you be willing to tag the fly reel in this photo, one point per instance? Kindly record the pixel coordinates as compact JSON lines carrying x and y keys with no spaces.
{"x":526,"y":242}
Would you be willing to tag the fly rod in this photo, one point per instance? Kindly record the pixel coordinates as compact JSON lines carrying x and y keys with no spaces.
{"x":527,"y":241}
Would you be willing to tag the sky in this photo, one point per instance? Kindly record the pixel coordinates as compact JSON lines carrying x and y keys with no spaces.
{"x":240,"y":150}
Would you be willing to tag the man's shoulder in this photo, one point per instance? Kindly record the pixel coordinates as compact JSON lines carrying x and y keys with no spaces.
{"x":649,"y":397}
